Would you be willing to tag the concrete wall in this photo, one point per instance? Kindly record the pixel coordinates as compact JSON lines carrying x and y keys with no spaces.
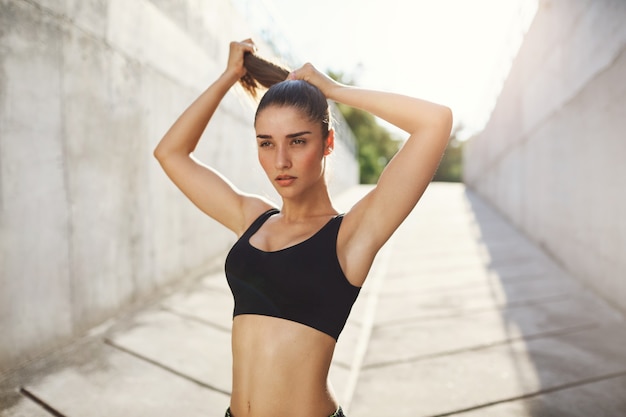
{"x":89,"y":223}
{"x":552,"y":155}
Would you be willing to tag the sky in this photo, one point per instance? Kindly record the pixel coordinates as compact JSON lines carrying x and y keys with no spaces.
{"x":454,"y":52}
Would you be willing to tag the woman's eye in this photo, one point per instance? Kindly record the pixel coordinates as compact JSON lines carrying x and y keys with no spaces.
{"x":298,"y":142}
{"x":264,"y":144}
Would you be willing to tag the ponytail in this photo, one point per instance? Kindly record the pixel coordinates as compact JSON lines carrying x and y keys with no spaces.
{"x":261,"y":73}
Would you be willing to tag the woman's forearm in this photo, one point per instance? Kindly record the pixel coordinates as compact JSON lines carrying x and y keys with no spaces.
{"x":185,"y":133}
{"x":407,"y":113}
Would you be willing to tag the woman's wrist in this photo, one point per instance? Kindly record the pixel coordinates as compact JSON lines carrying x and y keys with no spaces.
{"x":230,"y":76}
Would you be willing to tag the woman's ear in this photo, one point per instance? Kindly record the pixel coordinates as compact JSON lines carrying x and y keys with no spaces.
{"x":330,"y":142}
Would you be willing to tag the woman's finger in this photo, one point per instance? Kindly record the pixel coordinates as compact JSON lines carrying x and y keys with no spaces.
{"x":249,"y":45}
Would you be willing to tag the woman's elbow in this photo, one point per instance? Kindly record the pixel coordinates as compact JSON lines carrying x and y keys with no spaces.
{"x":445,"y":118}
{"x":163,"y":152}
{"x":159,"y":153}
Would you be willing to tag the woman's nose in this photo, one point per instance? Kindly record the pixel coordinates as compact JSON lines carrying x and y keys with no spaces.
{"x":282,"y":158}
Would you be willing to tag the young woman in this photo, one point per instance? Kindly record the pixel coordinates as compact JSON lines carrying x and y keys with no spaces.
{"x":297,"y":267}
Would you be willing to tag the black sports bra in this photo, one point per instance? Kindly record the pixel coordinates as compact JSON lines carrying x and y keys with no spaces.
{"x":302,"y":283}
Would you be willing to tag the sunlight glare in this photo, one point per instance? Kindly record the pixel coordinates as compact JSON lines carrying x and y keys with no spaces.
{"x":454,"y":52}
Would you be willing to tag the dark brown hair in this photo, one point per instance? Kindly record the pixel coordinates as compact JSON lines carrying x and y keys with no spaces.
{"x":286,"y":93}
{"x":261,"y":73}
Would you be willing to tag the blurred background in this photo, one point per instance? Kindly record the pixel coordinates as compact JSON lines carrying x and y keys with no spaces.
{"x":90,"y":227}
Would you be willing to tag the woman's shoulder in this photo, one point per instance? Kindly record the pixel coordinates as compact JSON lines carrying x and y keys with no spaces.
{"x":253,"y":207}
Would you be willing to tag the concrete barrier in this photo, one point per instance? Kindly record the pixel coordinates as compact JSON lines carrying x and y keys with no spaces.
{"x":551,"y":156}
{"x":89,"y":223}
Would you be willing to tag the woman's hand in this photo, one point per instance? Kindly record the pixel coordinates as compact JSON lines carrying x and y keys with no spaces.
{"x":311,"y":75}
{"x":235,"y":56}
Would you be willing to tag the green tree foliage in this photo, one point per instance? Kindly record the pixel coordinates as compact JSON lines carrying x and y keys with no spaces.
{"x":451,"y":166}
{"x":375,"y":144}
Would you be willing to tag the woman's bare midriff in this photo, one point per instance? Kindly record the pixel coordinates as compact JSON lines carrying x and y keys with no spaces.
{"x":280,"y":368}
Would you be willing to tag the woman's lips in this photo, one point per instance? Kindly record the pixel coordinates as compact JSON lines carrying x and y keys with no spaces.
{"x":285,"y":180}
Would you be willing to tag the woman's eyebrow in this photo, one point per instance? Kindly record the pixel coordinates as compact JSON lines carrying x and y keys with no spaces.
{"x":295,"y":135}
{"x":290,"y":135}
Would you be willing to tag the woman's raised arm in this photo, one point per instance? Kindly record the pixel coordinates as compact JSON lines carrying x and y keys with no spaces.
{"x":370,"y":223}
{"x":204,"y":186}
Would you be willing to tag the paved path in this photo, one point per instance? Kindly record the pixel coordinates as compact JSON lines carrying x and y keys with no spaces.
{"x":461,"y":316}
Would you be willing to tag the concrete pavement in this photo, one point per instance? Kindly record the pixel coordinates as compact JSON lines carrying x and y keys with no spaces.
{"x":461,"y":316}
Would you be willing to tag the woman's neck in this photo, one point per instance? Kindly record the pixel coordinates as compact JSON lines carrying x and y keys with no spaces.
{"x":314,"y":204}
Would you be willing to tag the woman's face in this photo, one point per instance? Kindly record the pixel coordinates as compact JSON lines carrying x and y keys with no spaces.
{"x":291,"y":150}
